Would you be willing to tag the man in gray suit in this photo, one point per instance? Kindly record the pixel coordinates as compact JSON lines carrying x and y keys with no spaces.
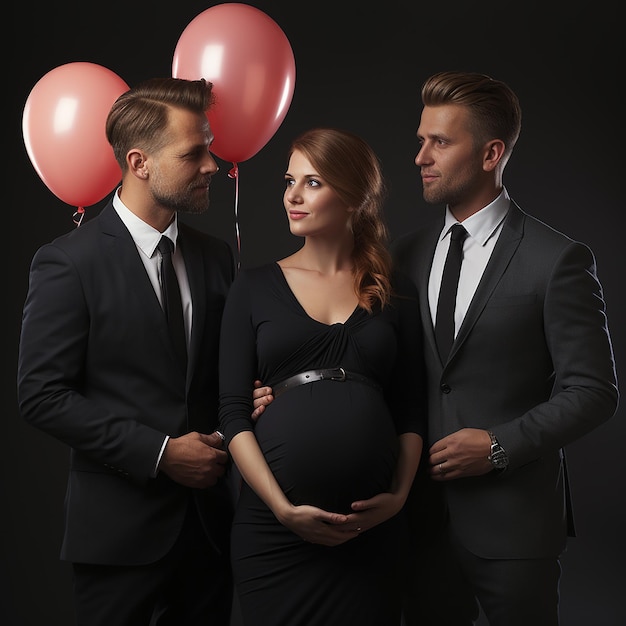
{"x":530,"y":370}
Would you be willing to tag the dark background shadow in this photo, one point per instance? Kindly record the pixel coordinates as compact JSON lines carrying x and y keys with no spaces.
{"x":358,"y":67}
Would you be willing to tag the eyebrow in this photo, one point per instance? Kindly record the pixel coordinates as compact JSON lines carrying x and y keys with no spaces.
{"x":305,"y":175}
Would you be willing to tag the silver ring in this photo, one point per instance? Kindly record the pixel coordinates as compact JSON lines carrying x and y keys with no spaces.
{"x":359,"y":529}
{"x":441,"y":468}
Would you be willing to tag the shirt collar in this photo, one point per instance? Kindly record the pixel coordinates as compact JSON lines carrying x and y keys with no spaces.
{"x":145,"y":236}
{"x":484,"y":223}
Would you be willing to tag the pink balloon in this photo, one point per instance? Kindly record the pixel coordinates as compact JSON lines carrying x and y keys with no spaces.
{"x":249,"y":60}
{"x":64,"y":131}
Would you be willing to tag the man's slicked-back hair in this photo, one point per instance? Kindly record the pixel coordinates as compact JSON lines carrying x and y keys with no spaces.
{"x":139,"y":117}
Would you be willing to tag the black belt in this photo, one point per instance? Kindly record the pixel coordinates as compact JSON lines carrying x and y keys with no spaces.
{"x":338,"y":374}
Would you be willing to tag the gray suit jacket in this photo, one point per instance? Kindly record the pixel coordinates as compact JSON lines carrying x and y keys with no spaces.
{"x":532,"y":362}
{"x":97,"y":370}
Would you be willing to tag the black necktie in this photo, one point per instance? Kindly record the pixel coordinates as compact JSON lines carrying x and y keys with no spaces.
{"x":444,"y":322}
{"x":172,"y":305}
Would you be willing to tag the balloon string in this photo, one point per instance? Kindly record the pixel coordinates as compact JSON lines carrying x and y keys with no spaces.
{"x":234,"y":173}
{"x":80,"y":211}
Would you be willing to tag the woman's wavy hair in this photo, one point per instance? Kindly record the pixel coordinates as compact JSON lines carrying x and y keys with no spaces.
{"x":351,"y":167}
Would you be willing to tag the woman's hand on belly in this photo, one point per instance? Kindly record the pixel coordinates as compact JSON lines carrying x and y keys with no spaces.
{"x":316,"y":525}
{"x":376,"y":510}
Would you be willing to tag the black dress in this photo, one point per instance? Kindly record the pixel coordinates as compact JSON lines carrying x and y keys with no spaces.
{"x":328,"y":444}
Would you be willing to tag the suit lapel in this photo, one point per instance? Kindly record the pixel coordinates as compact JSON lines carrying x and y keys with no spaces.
{"x":427,"y":253}
{"x":198,"y":287}
{"x":507,"y":244}
{"x":143,"y":301}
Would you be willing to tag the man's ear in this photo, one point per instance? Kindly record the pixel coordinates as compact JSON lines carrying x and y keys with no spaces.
{"x":137,"y":163}
{"x":494,"y":152}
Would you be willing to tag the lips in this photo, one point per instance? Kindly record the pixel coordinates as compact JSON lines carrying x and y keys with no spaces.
{"x":297,"y":215}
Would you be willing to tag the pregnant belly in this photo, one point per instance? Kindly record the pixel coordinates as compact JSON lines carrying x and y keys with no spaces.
{"x":329,"y":443}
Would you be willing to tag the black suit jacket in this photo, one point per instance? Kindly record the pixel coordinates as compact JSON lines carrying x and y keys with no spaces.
{"x":532,"y":362}
{"x":97,"y":370}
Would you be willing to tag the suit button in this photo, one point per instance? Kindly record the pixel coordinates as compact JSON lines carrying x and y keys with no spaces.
{"x":445,"y":388}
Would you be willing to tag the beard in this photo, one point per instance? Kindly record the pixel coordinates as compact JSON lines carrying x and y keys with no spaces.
{"x":452,"y":191}
{"x":193,"y":199}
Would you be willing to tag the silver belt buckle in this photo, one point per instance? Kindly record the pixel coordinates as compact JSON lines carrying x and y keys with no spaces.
{"x":341,"y":376}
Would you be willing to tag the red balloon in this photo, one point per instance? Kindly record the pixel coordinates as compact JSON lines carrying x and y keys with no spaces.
{"x":64,"y":131}
{"x":249,"y":60}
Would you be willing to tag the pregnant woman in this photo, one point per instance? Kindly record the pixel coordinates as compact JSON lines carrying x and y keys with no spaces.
{"x":319,"y":529}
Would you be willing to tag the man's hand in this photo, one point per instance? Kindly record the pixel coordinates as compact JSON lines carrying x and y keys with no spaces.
{"x":461,"y":454}
{"x":261,"y":396}
{"x":194,"y":460}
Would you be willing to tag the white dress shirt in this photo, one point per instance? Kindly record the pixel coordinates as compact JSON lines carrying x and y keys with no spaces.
{"x":147,"y":239}
{"x":483,"y":229}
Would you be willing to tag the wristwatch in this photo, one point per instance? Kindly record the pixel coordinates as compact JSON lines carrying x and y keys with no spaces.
{"x":498,"y":456}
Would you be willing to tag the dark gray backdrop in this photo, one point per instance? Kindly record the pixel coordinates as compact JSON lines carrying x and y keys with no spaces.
{"x":358,"y":67}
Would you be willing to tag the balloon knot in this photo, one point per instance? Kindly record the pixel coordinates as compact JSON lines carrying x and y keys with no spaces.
{"x":234,"y":171}
{"x":78,"y":215}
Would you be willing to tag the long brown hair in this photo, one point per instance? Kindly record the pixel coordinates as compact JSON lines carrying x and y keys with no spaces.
{"x":351,"y":167}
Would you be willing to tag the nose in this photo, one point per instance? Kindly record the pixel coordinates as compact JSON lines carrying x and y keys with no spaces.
{"x":292,"y":195}
{"x":422,"y":156}
{"x":210,"y":165}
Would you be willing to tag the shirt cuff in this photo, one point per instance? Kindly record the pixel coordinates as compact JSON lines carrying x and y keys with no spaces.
{"x":156,"y":467}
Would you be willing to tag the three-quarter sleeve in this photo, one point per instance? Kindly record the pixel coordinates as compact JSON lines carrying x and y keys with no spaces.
{"x":237,"y":361}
